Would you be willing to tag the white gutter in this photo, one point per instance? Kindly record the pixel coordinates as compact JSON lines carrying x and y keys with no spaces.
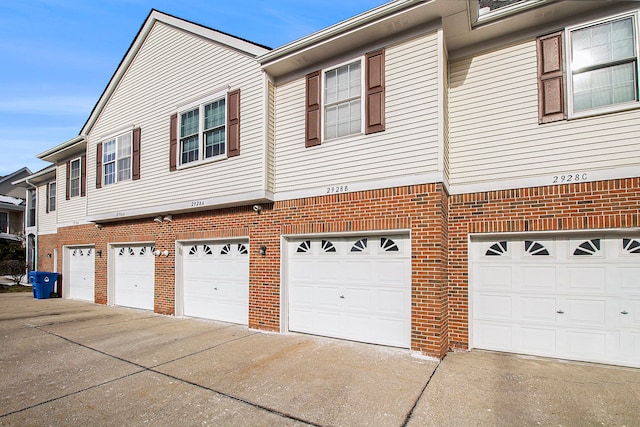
{"x":356,"y":21}
{"x":61,"y":147}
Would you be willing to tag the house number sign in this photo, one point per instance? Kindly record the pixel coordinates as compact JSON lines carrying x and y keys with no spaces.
{"x":335,"y":189}
{"x":197,"y":203}
{"x":571,"y":177}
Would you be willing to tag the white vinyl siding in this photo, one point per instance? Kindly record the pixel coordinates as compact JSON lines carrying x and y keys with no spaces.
{"x":271,"y":123}
{"x":408,"y":146}
{"x":47,"y":221}
{"x":174,"y":68}
{"x":68,"y":212}
{"x":494,"y":133}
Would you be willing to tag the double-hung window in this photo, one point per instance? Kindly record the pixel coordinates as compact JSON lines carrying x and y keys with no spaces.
{"x":74,"y":177}
{"x":51,"y":197}
{"x":116,"y":159}
{"x":603,"y":65}
{"x":202,"y":131}
{"x":343,"y":100}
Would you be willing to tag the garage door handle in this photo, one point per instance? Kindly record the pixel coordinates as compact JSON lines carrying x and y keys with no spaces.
{"x":342,"y":296}
{"x":215,"y":289}
{"x":624,"y":312}
{"x":560,"y":312}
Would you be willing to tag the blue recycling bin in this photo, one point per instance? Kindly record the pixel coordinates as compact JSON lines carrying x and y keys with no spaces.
{"x":42,"y":283}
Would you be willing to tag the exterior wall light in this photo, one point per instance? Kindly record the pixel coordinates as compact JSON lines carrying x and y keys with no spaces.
{"x":168,"y":218}
{"x":158,"y":219}
{"x":165,"y":253}
{"x":262,"y":250}
{"x":99,"y":253}
{"x":156,"y":252}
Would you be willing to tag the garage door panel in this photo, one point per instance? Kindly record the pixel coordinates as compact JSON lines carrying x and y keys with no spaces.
{"x":493,"y":277}
{"x":565,"y":298}
{"x":538,"y":309}
{"x":587,"y":279}
{"x":493,"y":307}
{"x":539,"y":278}
{"x":215,"y":280}
{"x":351,"y":287}
{"x":134,"y":276}
{"x":629,"y":278}
{"x":493,"y":336}
{"x":538,"y":340}
{"x":81,"y":273}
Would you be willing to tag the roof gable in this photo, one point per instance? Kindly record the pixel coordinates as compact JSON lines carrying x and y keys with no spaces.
{"x":236,"y":44}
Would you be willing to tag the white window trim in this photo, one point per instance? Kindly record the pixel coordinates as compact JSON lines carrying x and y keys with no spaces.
{"x":79,"y":178}
{"x":109,"y":138}
{"x":569,"y":74}
{"x":53,"y":194}
{"x":200,"y":104}
{"x":362,"y":97}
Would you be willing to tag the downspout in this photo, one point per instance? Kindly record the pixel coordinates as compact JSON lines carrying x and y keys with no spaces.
{"x":35,"y":256}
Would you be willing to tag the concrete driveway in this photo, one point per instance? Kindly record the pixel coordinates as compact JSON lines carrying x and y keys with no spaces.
{"x":72,"y":363}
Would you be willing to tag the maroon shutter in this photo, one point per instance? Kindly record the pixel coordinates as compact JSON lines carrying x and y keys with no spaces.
{"x":135,"y":160}
{"x":99,"y":165}
{"x":551,"y":106}
{"x":48,"y":196}
{"x":83,"y":175}
{"x":233,"y":123}
{"x":312,"y":125}
{"x":68,"y":179}
{"x":173,"y":142}
{"x":374,"y":84}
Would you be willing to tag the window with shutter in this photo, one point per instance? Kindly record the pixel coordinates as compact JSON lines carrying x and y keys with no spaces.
{"x":135,"y":157}
{"x":338,"y":98}
{"x":602,"y":66}
{"x":117,"y":158}
{"x":74,"y":178}
{"x":550,"y":78}
{"x":99,"y":166}
{"x":205,"y":130}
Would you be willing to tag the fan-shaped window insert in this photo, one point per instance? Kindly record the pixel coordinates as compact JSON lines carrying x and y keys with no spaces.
{"x":74,"y":253}
{"x":304,"y":247}
{"x":225,"y":249}
{"x":131,"y":252}
{"x":535,"y":248}
{"x":193,"y":250}
{"x":143,"y":250}
{"x":242,"y":249}
{"x":327,"y":246}
{"x":207,"y":250}
{"x":121,"y":252}
{"x":497,"y":249}
{"x":630,"y":245}
{"x":388,"y":245}
{"x":589,"y":247}
{"x":359,"y":246}
{"x":89,"y":252}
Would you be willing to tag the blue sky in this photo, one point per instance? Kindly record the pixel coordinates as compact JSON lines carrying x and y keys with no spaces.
{"x":57,"y":56}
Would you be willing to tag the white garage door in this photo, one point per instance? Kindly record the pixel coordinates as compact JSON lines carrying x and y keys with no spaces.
{"x":216,"y":281}
{"x":356,"y":288}
{"x":81,"y":275}
{"x":134,"y":276}
{"x":572,"y":298}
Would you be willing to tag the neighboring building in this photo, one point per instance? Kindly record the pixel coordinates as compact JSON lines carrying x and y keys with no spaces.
{"x":12,"y":206}
{"x":422,"y":175}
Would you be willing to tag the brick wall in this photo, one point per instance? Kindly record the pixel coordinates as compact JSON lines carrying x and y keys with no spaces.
{"x":422,"y":209}
{"x":593,"y":205}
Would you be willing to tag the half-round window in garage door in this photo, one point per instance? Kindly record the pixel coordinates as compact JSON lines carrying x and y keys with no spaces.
{"x":304,"y":247}
{"x":242,"y":249}
{"x":327,"y":246}
{"x":388,"y":245}
{"x":631,"y":246}
{"x":359,"y":246}
{"x":535,"y":248}
{"x":497,"y":249}
{"x":588,"y":248}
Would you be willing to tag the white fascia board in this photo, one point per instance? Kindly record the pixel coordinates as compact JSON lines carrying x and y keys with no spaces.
{"x":237,"y":44}
{"x":336,"y":30}
{"x":61,"y":148}
{"x":243,"y":199}
{"x":39,"y":174}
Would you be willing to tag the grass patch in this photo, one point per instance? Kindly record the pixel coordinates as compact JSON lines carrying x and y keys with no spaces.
{"x":14,"y":288}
